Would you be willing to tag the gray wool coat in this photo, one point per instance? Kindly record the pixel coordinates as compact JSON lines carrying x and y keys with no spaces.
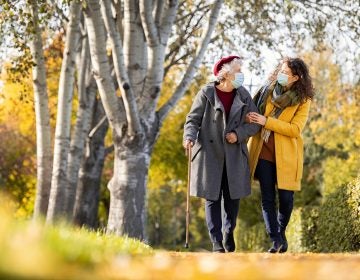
{"x":206,"y":126}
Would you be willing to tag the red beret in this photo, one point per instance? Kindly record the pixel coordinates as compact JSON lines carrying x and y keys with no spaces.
{"x":222,"y":61}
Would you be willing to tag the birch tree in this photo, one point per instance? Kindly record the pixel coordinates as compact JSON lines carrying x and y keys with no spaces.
{"x":43,"y":132}
{"x":88,"y":188}
{"x":86,"y":93}
{"x":59,"y":181}
{"x":136,"y":127}
{"x":145,"y":40}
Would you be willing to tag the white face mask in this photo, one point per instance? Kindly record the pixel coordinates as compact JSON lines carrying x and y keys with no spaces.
{"x":282,"y":79}
{"x":238,"y":81}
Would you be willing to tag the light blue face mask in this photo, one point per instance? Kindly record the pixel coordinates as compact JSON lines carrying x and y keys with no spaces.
{"x":238,"y":81}
{"x":282,"y":79}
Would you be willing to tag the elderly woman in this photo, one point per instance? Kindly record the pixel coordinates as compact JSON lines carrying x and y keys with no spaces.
{"x":216,"y":130}
{"x":276,"y":152}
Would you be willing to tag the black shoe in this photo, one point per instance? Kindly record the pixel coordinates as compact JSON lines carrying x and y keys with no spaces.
{"x":284,"y":242}
{"x":276,"y":247}
{"x":229,"y":242}
{"x":218,"y":247}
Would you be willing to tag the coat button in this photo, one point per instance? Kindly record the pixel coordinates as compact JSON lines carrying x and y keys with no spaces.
{"x":211,"y":141}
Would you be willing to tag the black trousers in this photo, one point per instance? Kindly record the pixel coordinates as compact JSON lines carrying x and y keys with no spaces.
{"x":275,"y":221}
{"x":214,"y":220}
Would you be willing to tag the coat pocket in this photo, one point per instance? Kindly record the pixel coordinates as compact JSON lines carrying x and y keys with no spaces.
{"x":195,"y":150}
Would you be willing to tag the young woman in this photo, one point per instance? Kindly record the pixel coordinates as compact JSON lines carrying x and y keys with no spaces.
{"x":276,"y":152}
{"x":216,"y":130}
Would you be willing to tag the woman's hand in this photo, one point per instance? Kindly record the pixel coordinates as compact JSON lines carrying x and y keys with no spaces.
{"x":231,"y":137}
{"x":187,"y":144}
{"x":247,"y":118}
{"x":256,"y":118}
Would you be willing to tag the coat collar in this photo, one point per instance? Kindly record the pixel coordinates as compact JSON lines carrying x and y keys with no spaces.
{"x":210,"y":93}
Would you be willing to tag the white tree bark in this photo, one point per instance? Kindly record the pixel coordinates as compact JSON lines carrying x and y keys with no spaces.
{"x":132,"y":151}
{"x":127,"y":193}
{"x":43,"y":131}
{"x":157,"y":39}
{"x":127,"y":187}
{"x":101,"y":68}
{"x":87,"y":93}
{"x":62,"y":132}
{"x":131,"y":110}
{"x":134,"y":46}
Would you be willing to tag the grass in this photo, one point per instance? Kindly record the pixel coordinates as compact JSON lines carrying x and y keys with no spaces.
{"x":30,"y":250}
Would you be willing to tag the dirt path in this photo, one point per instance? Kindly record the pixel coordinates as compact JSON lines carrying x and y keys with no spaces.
{"x":172,"y":265}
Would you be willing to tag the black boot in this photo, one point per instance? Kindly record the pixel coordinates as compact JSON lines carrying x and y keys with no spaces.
{"x":218,"y":247}
{"x":284,"y":242}
{"x":276,"y":247}
{"x":229,"y":242}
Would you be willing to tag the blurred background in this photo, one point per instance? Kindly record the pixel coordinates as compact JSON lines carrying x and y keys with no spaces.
{"x":324,"y":33}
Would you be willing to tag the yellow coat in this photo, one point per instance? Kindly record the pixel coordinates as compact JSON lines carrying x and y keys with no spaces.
{"x":289,"y":152}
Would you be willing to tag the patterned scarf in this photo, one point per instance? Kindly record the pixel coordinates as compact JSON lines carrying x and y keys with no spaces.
{"x":279,"y":99}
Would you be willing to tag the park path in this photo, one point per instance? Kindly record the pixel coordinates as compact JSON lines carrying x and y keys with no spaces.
{"x":175,"y":265}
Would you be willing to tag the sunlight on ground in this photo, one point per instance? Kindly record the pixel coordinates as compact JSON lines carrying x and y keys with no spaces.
{"x":30,"y":250}
{"x":171,"y":265}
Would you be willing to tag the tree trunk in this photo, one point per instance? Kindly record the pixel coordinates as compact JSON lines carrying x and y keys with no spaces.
{"x":101,"y":67}
{"x":88,"y":190}
{"x":62,"y":132}
{"x":87,"y":92}
{"x":132,"y":115}
{"x":144,"y":62}
{"x":127,"y":192}
{"x":135,"y":55}
{"x":43,"y":131}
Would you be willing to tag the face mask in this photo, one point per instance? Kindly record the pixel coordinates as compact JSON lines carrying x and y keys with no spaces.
{"x":282,"y":79}
{"x":238,"y":81}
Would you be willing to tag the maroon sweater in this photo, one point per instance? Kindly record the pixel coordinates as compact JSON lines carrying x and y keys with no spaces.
{"x":226,"y":99}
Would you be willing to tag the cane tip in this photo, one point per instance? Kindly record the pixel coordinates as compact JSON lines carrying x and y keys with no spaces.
{"x":186,"y":246}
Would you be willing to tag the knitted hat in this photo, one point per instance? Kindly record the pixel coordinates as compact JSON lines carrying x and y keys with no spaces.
{"x":221,"y":62}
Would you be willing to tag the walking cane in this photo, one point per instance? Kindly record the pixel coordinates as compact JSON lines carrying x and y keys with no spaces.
{"x":188,"y":148}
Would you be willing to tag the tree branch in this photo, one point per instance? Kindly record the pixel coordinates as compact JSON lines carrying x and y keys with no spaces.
{"x":191,"y":14}
{"x":181,"y":88}
{"x":175,"y":62}
{"x":132,"y":115}
{"x":167,"y":21}
{"x":147,"y":20}
{"x":158,"y":12}
{"x":97,"y":126}
{"x":101,"y":66}
{"x":64,"y":18}
{"x":182,"y":38}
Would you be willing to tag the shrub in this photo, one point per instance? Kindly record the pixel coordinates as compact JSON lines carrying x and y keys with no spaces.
{"x":339,"y":220}
{"x":251,"y":238}
{"x":301,"y":231}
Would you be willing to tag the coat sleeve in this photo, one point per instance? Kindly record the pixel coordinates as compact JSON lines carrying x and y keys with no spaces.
{"x":194,"y":117}
{"x":246,"y":130}
{"x":293,"y":128}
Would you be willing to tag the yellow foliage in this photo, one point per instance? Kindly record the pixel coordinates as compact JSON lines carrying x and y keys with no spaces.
{"x":17,"y":116}
{"x":335,"y":121}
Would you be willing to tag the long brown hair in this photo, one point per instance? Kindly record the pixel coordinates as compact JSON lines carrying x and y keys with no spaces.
{"x":303,"y":86}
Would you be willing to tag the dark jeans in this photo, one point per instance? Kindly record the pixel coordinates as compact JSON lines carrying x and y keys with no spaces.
{"x":213,"y":212}
{"x":274,"y":222}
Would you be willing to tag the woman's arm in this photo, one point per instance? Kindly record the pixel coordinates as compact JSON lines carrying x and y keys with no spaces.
{"x":296,"y":125}
{"x":194,"y":117}
{"x":246,"y":130}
